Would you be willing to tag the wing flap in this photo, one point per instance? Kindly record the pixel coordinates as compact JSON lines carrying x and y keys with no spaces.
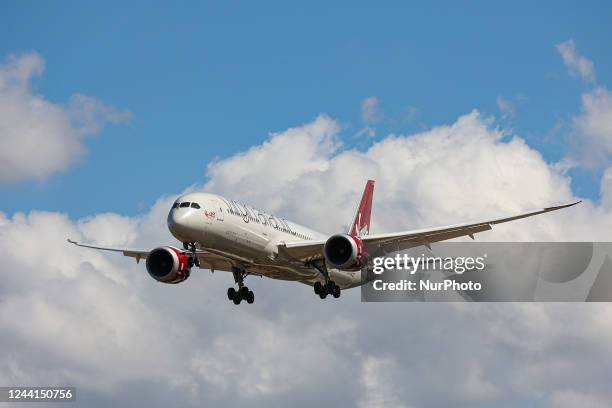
{"x":301,"y":251}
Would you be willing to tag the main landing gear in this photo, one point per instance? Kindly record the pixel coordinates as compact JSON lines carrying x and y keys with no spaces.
{"x":243,"y":293}
{"x":329,"y":287}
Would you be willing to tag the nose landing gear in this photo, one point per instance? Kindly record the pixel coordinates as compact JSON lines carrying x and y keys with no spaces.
{"x":189,"y":246}
{"x":193,"y":259}
{"x":243,"y":292}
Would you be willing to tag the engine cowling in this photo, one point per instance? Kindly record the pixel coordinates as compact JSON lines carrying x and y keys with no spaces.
{"x":168,"y":265}
{"x":345,"y":252}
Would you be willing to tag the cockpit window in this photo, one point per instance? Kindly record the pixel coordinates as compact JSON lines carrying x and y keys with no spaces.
{"x":185,"y":204}
{"x":176,"y":205}
{"x":195,"y":205}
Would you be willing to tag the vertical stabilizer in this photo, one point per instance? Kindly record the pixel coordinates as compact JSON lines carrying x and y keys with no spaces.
{"x":361,"y":223}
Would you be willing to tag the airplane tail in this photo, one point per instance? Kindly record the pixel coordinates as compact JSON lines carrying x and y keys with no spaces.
{"x":361,"y":223}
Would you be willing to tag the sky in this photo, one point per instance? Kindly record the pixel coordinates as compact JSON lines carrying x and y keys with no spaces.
{"x":109,"y":111}
{"x":199,"y":82}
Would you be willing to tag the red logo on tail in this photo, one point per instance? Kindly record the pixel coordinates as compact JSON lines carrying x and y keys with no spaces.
{"x":361,"y":223}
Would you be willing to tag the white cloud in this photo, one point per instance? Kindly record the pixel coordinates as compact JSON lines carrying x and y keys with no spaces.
{"x":460,"y":172}
{"x":310,"y":147}
{"x":379,"y":383}
{"x":38,"y":137}
{"x":592,"y":128}
{"x":89,"y":114}
{"x":75,"y":310}
{"x":370,"y":110}
{"x":591,"y":142}
{"x":367,"y":132}
{"x":271,"y":371}
{"x":571,"y":399}
{"x":75,"y":316}
{"x":606,"y":189}
{"x":576,"y":63}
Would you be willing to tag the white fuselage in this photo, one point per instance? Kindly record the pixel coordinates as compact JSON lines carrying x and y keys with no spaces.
{"x":248,"y":236}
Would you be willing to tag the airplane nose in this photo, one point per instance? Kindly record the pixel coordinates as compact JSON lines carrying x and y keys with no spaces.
{"x":177,"y":222}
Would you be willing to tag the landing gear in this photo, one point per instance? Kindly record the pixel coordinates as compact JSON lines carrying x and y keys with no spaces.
{"x":330,"y":287}
{"x":189,"y":246}
{"x":243,"y":293}
{"x":336,"y":291}
{"x":238,"y":296}
{"x":193,"y":259}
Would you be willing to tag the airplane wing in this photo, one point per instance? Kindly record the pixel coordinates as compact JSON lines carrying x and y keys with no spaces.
{"x":379,"y":244}
{"x":208,"y":260}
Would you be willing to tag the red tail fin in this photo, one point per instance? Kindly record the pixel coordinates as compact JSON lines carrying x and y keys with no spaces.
{"x":361,"y":223}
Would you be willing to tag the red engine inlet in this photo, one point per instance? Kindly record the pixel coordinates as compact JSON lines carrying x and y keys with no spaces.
{"x":167,"y":265}
{"x":345,"y":252}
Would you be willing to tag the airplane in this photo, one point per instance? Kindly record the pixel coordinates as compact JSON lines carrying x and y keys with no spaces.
{"x":222,"y":234}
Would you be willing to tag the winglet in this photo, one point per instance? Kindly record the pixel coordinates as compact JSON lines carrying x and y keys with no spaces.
{"x":558,"y":207}
{"x":361,"y":222}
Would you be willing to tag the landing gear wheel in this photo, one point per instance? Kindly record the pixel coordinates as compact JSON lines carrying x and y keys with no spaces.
{"x":331,"y":285}
{"x":196,"y":262}
{"x":322,"y":294}
{"x":242,"y":293}
{"x":231,"y":293}
{"x":318,"y":287}
{"x":336,"y":291}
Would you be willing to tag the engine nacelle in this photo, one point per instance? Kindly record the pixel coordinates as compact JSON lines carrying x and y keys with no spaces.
{"x":345,"y":252}
{"x":168,"y":265}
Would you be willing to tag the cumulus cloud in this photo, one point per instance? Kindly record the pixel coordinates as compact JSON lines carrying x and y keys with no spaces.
{"x":310,"y":147}
{"x":74,"y":316}
{"x":370,"y":110}
{"x":570,"y":398}
{"x":592,"y":128}
{"x":576,"y":63}
{"x":459,"y":172}
{"x":378,"y":377}
{"x":606,"y":189}
{"x":37,"y":136}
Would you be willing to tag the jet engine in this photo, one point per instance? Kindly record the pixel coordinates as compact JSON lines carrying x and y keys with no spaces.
{"x":168,"y":265}
{"x":345,"y":252}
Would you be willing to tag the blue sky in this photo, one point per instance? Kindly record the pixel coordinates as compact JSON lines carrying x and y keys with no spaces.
{"x":208,"y":80}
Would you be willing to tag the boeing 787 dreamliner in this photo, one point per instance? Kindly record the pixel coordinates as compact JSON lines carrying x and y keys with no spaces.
{"x":222,"y":234}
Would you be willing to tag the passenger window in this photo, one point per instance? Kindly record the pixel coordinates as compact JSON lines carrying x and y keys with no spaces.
{"x":195,"y":205}
{"x":183,"y":205}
